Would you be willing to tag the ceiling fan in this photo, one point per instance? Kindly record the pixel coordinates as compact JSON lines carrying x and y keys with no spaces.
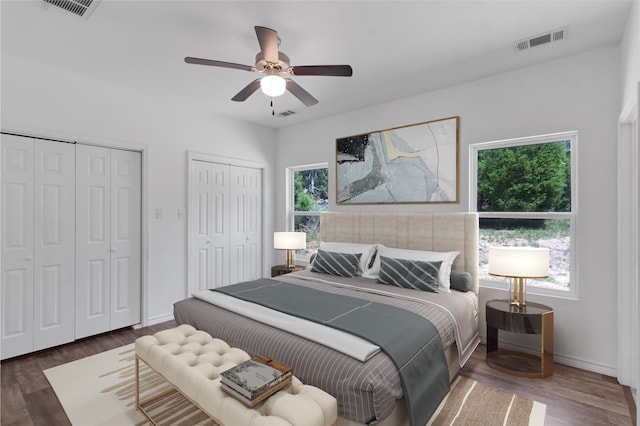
{"x":273,"y":63}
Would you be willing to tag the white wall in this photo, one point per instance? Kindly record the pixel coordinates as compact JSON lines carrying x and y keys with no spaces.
{"x":630,"y":55}
{"x":630,"y":89}
{"x":576,"y":93}
{"x":58,"y":104}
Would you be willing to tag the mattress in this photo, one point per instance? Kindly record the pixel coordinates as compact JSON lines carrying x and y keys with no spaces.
{"x":366,"y":391}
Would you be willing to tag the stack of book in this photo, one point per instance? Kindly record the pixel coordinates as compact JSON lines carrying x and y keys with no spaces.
{"x":256,"y":379}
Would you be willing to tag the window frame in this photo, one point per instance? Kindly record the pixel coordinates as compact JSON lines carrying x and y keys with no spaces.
{"x":290,"y":200}
{"x":572,"y":137}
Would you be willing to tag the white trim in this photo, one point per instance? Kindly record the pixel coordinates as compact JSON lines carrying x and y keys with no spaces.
{"x":111,"y":143}
{"x":144,"y":200}
{"x":289,"y":193}
{"x":144,"y":237}
{"x":211,"y":158}
{"x":159,"y":320}
{"x":531,"y":290}
{"x":627,"y":256}
{"x":572,"y":216}
{"x":583,"y":364}
{"x":290,"y":200}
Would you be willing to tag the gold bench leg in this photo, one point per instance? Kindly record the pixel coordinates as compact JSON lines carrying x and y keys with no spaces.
{"x":172,"y":388}
{"x":139,"y":403}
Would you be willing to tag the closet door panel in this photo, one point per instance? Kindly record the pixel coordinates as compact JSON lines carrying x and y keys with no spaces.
{"x":225,"y":224}
{"x":54,"y":228}
{"x":17,"y":245}
{"x":220,"y":220}
{"x":253,"y":216}
{"x":200,"y":206}
{"x":125,"y":238}
{"x":93,"y":240}
{"x":237,"y":234}
{"x":246,"y":223}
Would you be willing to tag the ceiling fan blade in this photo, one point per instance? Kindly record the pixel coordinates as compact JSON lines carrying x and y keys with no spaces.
{"x":247,"y":91}
{"x":268,"y":40}
{"x":328,"y":70}
{"x":222,"y":64}
{"x":300,"y":93}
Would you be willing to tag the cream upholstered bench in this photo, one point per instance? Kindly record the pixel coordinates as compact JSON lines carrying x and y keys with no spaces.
{"x":191,"y":361}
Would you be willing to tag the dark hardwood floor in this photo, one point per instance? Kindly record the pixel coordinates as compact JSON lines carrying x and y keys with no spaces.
{"x":573,"y":396}
{"x":27,"y":398}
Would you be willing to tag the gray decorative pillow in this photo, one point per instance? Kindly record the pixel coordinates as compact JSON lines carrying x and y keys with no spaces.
{"x":415,"y":274}
{"x":342,"y":264}
{"x":460,"y":280}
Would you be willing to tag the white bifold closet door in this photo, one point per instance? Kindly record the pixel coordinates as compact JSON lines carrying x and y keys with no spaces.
{"x":108,"y":274}
{"x":245,"y":228}
{"x":225,"y":224}
{"x":38,"y":247}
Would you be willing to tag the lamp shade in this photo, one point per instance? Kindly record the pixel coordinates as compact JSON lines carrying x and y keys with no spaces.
{"x":289,"y":240}
{"x":273,"y":85}
{"x":523,"y":262}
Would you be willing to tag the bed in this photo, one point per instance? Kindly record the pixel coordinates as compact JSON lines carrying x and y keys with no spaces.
{"x":368,"y":391}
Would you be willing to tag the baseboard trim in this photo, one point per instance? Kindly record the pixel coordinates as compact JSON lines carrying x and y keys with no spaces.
{"x":607,"y":370}
{"x":158,"y":320}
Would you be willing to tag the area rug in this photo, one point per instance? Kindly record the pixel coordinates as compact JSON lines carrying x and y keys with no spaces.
{"x":100,"y":390}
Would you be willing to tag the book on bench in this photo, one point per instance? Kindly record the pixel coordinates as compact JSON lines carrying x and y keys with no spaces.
{"x":256,"y":379}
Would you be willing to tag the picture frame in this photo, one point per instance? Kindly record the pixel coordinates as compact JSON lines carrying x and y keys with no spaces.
{"x":417,"y":163}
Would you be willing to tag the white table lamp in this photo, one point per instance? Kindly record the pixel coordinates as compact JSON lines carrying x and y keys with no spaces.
{"x":518,"y":264}
{"x":289,"y":241}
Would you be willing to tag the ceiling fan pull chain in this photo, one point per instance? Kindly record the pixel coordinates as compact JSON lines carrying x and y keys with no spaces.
{"x":273,"y":112}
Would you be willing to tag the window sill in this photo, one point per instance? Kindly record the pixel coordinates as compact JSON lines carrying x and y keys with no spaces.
{"x":532,"y":290}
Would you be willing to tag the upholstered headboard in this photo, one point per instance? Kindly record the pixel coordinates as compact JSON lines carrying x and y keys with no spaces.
{"x":409,"y":230}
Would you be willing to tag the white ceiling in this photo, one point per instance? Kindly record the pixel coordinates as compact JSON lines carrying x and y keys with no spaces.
{"x":396,"y":48}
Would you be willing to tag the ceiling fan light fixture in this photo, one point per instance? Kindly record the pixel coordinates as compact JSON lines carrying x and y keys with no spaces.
{"x":273,"y":85}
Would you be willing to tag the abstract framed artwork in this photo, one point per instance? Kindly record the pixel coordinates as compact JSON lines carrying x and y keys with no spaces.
{"x":417,"y":163}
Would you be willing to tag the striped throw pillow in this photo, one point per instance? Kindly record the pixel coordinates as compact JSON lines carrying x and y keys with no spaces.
{"x":415,"y":274}
{"x":342,"y":264}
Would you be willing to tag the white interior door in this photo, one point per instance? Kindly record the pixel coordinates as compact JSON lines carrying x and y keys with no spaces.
{"x":125,"y":238}
{"x":199,"y":206}
{"x":93,"y":240}
{"x":38,"y":244}
{"x":108,"y":240}
{"x":254,"y":223}
{"x":54,"y":229}
{"x":225,"y":207}
{"x":209,"y":198}
{"x":238,"y":228}
{"x":246,"y":224}
{"x":17,"y":245}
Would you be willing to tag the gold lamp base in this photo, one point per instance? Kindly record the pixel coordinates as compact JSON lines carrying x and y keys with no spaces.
{"x":289,"y":259}
{"x":517,"y":291}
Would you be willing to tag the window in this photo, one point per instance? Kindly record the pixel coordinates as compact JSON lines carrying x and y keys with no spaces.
{"x":307,"y":198}
{"x":524,"y":192}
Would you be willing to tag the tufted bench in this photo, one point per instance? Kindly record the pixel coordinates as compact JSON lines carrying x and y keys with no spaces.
{"x":191,"y":361}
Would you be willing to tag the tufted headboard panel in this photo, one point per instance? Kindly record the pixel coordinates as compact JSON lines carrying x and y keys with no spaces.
{"x":410,"y":230}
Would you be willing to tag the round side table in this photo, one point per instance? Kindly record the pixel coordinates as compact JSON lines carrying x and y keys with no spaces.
{"x":532,"y":318}
{"x":282,"y":269}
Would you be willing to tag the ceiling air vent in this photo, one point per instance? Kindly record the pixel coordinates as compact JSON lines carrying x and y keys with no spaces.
{"x":82,"y":8}
{"x":538,"y":40}
{"x":286,"y":113}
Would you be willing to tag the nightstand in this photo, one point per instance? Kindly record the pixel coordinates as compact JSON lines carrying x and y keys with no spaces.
{"x":533,"y":318}
{"x":282,"y":269}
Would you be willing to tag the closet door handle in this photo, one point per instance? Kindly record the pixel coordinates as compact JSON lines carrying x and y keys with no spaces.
{"x":28,"y":258}
{"x":112,"y":250}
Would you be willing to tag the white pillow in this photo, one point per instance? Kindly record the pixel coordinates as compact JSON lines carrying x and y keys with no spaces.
{"x":447,"y":258}
{"x":367,"y":250}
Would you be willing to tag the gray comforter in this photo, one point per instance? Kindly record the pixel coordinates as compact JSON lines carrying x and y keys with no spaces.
{"x":366,"y":392}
